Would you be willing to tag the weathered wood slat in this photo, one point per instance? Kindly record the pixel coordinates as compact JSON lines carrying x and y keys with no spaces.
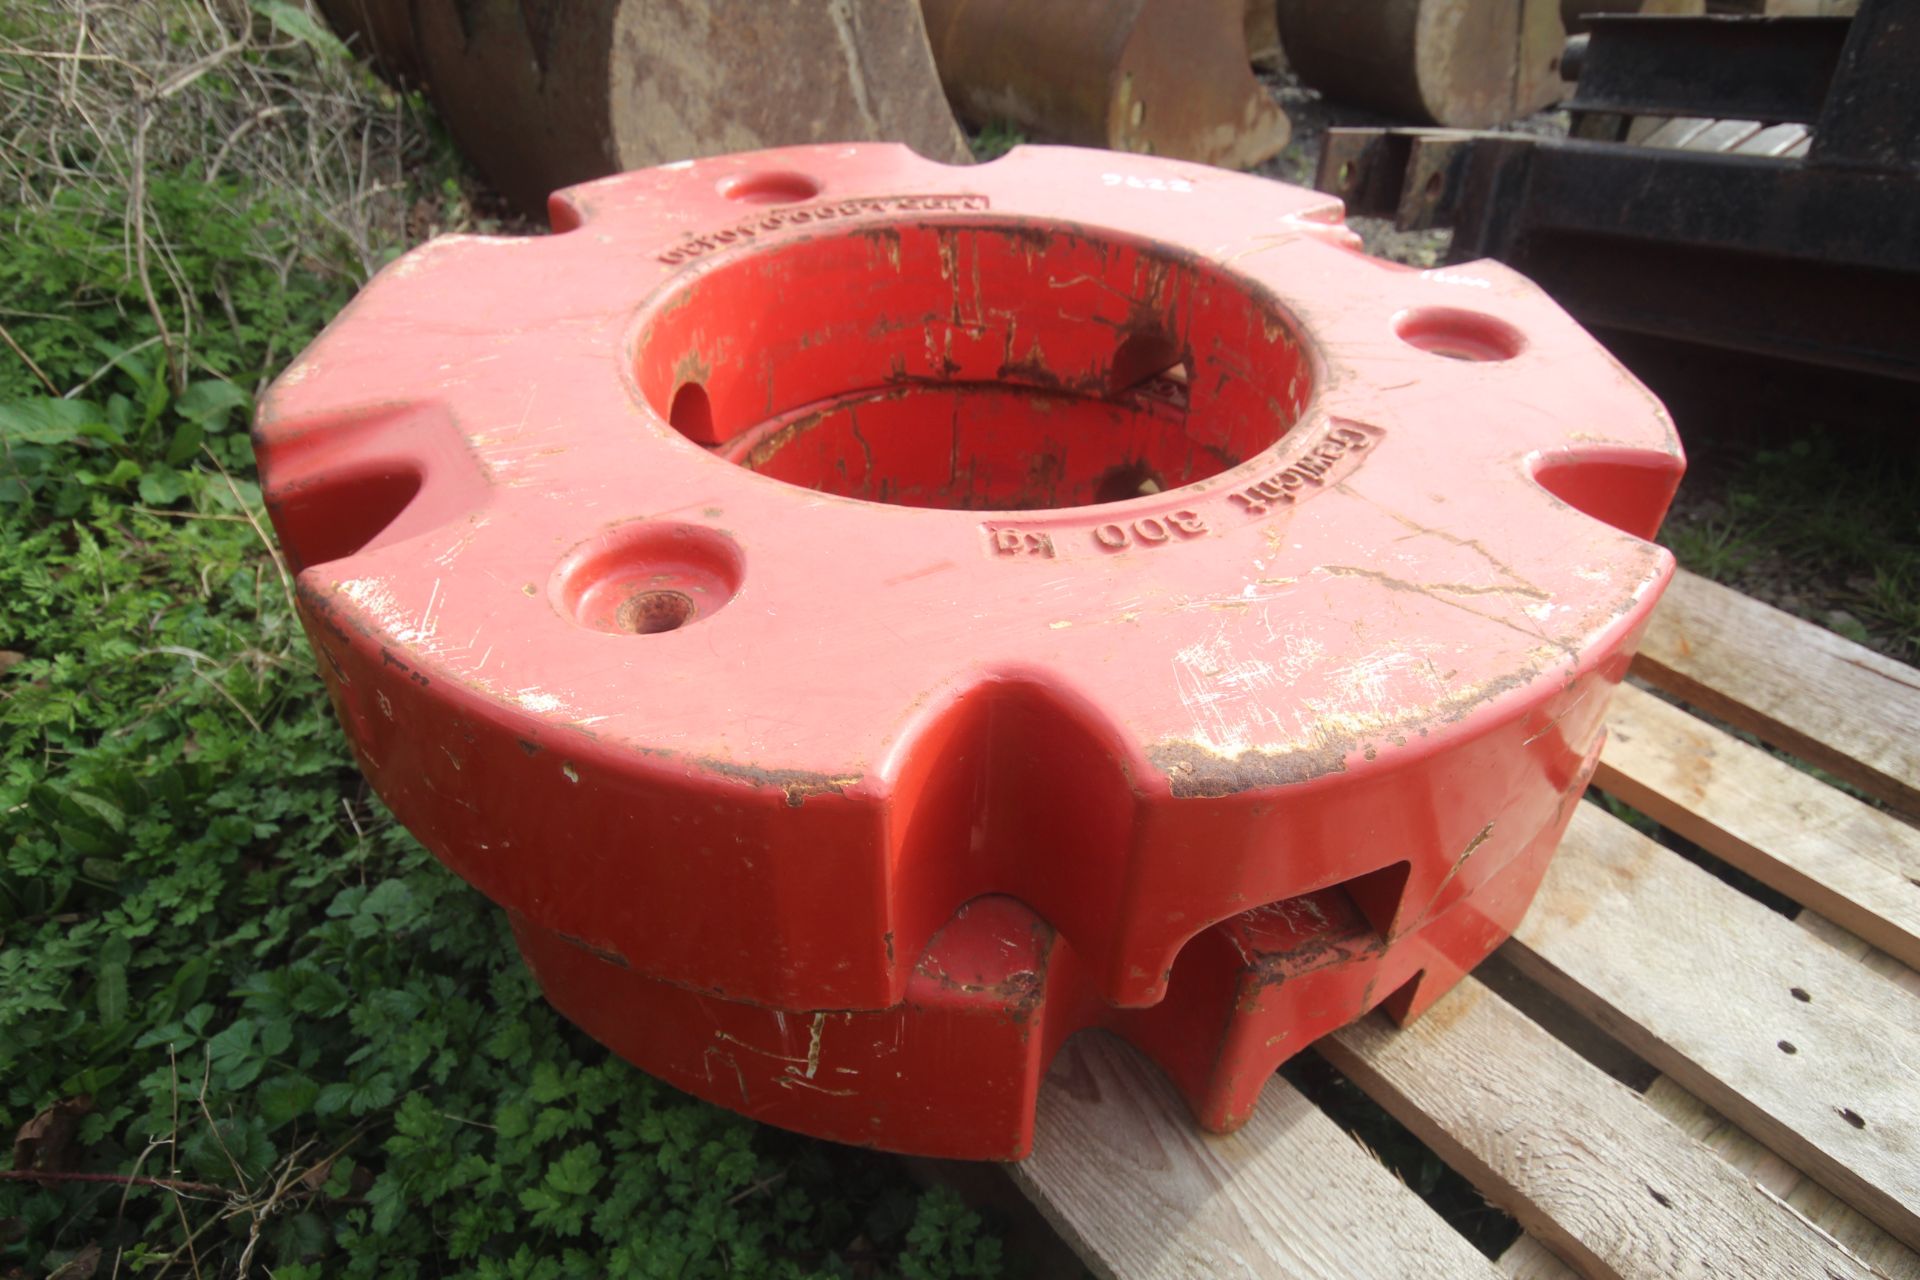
{"x":1820,"y":846}
{"x":1860,"y":1237}
{"x":1751,"y":1160}
{"x":1800,"y":687}
{"x":1528,"y":1259}
{"x":1139,"y":1191}
{"x":1806,"y":1050}
{"x":1904,"y":976}
{"x":1575,"y":1155}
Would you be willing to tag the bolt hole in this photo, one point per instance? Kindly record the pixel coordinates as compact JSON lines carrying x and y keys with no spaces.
{"x":1787,"y":1046}
{"x":770,"y":188}
{"x":1800,"y":994}
{"x":1852,"y":1117}
{"x":644,"y":577}
{"x":1459,"y":335}
{"x":1346,"y":176}
{"x":1433,"y":186}
{"x":648,"y":613}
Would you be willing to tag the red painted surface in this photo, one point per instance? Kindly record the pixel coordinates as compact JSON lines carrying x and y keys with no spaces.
{"x":866,"y":636}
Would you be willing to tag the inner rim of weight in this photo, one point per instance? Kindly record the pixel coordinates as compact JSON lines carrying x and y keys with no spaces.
{"x":997,"y":365}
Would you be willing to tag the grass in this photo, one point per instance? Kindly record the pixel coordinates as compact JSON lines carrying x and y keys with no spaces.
{"x":247,"y":1025}
{"x":995,"y":140}
{"x":1825,"y":526}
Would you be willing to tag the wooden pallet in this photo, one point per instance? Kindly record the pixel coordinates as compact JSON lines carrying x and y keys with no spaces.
{"x":1782,"y":1137}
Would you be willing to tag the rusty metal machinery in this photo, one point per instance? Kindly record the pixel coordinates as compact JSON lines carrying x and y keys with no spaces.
{"x":1164,"y":77}
{"x":541,"y":94}
{"x":1741,"y":195}
{"x":867,"y":620}
{"x":1461,"y":63}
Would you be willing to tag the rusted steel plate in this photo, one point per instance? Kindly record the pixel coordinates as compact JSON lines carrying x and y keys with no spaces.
{"x":1467,"y":64}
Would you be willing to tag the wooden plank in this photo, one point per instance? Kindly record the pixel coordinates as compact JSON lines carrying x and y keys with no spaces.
{"x":1577,"y":1157}
{"x":1801,"y":1047}
{"x":1812,"y":842}
{"x":1749,"y":1159}
{"x":1861,"y":1237}
{"x":1854,"y":947}
{"x":1528,"y":1259}
{"x":1797,"y":686}
{"x":1139,"y":1190}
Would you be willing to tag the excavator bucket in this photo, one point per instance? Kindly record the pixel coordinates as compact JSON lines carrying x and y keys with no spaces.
{"x":1167,"y":77}
{"x":1466,"y":64}
{"x":543,"y":94}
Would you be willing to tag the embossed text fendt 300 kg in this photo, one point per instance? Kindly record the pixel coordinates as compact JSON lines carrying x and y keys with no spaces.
{"x":867,"y":620}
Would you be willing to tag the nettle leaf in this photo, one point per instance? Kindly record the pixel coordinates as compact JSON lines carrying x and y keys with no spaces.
{"x":186,"y":442}
{"x":162,"y":486}
{"x":46,"y":420}
{"x":248,"y":495}
{"x":283,"y":1099}
{"x":275,"y":1037}
{"x":295,"y":21}
{"x":125,"y":470}
{"x":334,"y":1098}
{"x":209,"y":402}
{"x":233,"y":1056}
{"x":84,"y":842}
{"x":110,"y":994}
{"x":106,"y":811}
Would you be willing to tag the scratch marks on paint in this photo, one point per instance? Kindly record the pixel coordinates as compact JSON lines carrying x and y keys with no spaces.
{"x":1458,"y":863}
{"x":1260,"y":592}
{"x":507,"y":449}
{"x":1239,"y":702}
{"x":402,"y":629}
{"x":797,"y":1071}
{"x":715,"y":1054}
{"x":420,"y":638}
{"x":446,"y":558}
{"x":1227,"y":695}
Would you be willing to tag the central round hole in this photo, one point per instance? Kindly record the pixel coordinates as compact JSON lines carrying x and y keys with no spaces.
{"x":993,"y":367}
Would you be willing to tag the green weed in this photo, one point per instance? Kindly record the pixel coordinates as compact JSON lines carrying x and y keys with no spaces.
{"x":995,"y":140}
{"x":247,"y":1025}
{"x":1824,"y":526}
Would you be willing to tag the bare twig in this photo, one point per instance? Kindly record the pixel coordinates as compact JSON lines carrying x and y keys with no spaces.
{"x":38,"y":372}
{"x":51,"y":1177}
{"x":137,"y":209}
{"x":109,"y":366}
{"x":286,"y":579}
